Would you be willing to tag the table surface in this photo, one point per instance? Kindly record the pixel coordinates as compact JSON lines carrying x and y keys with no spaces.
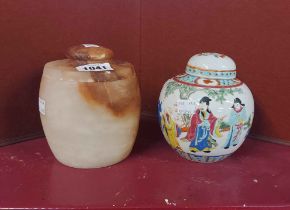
{"x":153,"y":176}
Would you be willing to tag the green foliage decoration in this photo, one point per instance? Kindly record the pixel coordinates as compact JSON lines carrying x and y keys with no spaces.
{"x":217,"y":94}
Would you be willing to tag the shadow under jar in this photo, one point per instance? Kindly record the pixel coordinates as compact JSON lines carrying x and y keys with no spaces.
{"x":90,"y":107}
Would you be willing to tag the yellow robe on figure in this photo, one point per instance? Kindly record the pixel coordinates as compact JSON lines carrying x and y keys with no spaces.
{"x":163,"y":128}
{"x":171,"y":131}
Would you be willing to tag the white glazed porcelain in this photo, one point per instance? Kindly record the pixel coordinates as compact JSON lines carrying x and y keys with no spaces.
{"x":206,"y":113}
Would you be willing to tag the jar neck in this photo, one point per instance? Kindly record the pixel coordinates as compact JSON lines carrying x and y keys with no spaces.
{"x":212,"y":74}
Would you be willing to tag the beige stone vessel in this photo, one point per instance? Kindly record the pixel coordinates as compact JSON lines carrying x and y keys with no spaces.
{"x":90,"y":107}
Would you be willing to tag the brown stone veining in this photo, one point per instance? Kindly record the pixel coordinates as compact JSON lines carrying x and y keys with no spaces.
{"x":116,"y":90}
{"x":80,"y":52}
{"x":121,"y":97}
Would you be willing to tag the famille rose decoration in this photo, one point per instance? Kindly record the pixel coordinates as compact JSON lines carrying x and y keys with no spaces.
{"x":90,"y":107}
{"x":206,"y":113}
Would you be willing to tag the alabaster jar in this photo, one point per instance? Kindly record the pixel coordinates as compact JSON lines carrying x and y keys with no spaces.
{"x":90,"y":107}
{"x":206,"y":113}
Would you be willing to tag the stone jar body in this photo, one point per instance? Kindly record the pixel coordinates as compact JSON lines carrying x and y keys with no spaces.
{"x":90,"y":118}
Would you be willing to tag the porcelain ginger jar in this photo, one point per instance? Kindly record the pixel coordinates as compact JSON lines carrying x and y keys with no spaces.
{"x":206,"y":113}
{"x":89,"y":107}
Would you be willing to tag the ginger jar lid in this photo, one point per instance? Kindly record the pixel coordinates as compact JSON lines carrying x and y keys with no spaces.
{"x":211,"y":65}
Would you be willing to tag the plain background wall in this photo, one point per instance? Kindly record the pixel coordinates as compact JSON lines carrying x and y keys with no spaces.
{"x":158,"y":37}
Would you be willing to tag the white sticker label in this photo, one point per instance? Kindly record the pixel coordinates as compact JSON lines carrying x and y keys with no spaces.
{"x":185,"y":106}
{"x":95,"y":67}
{"x":90,"y":45}
{"x":41,"y":105}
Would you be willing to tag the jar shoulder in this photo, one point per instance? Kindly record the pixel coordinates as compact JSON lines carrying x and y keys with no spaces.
{"x":204,"y":82}
{"x":179,"y":90}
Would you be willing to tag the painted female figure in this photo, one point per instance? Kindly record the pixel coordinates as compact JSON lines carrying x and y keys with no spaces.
{"x":171,"y":130}
{"x":201,"y":129}
{"x":237,"y":121}
{"x":162,"y":122}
